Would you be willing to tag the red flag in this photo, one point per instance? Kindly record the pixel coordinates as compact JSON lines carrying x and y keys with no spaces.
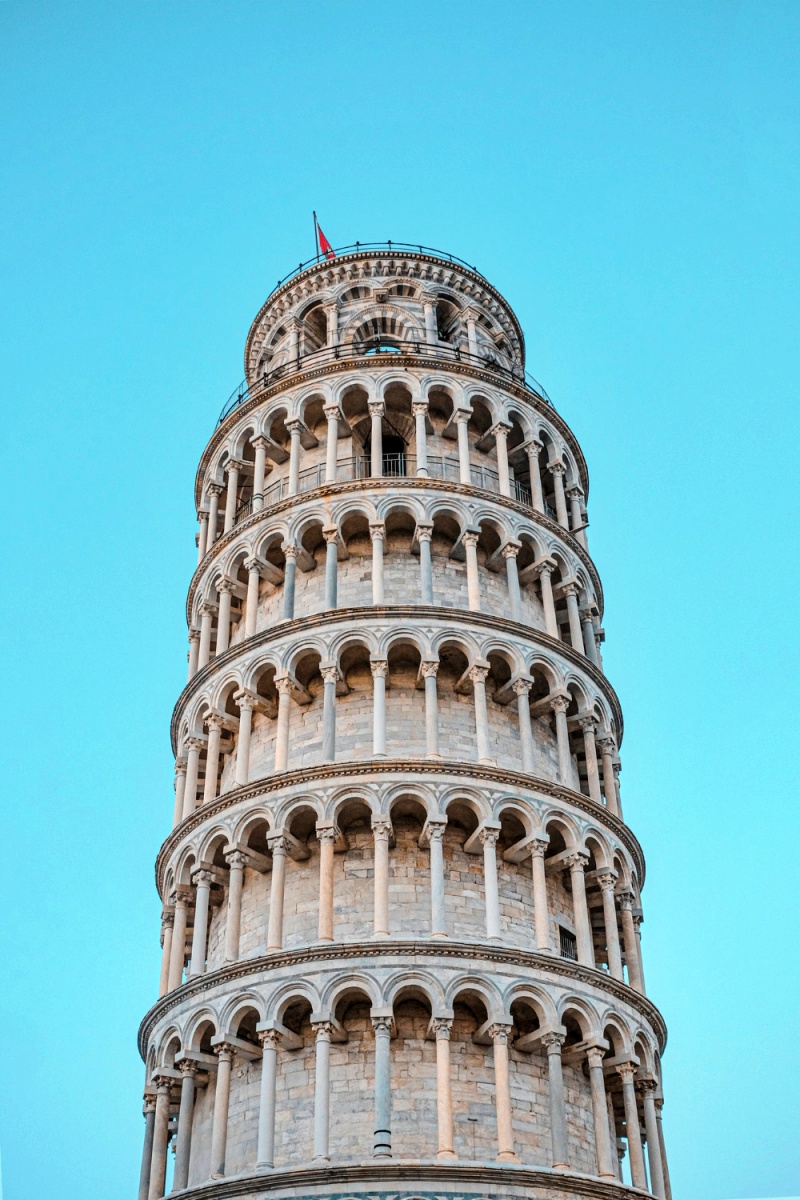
{"x":325,"y":247}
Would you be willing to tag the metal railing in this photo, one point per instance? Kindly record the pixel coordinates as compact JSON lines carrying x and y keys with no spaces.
{"x":395,"y":466}
{"x":392,"y":247}
{"x":387,"y":348}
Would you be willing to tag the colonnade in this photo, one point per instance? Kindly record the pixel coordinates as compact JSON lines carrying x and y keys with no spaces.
{"x":584,"y":632}
{"x":619,"y":902}
{"x":637,"y":1088}
{"x":218,"y":518}
{"x":601,"y":755}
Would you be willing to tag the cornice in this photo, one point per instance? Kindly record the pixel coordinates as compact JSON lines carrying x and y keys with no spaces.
{"x":341,"y":366}
{"x":387,"y":484}
{"x":405,"y":612}
{"x":431,"y":1179}
{"x":410,"y":768}
{"x":413,"y":950}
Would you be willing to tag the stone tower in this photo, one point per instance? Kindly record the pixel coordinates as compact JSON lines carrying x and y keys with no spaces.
{"x":401,"y":952}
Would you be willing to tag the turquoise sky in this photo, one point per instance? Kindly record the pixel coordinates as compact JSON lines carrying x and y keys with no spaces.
{"x":627,"y":174}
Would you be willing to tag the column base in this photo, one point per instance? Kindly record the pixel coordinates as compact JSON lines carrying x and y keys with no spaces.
{"x":446,"y":1155}
{"x":507,"y":1156}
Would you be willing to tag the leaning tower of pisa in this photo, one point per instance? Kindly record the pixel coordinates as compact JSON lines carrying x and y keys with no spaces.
{"x":401,"y":905}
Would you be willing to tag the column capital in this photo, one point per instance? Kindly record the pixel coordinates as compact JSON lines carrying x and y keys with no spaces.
{"x":533,"y":446}
{"x":246,"y":701}
{"x":587,"y":722}
{"x":234,"y":464}
{"x":544,"y":566}
{"x":419,"y":408}
{"x":167,"y":918}
{"x":148,"y":1103}
{"x":428,"y":669}
{"x":646,"y":1085}
{"x":441,"y":1027}
{"x":207,"y":608}
{"x":539,"y":847}
{"x":499,"y":1033}
{"x":225,"y":584}
{"x":594,"y":1055}
{"x":253,"y":564}
{"x":194,"y":635}
{"x":376,"y":408}
{"x":270,"y":1039}
{"x":606,"y":743}
{"x":180,"y":765}
{"x":203,"y":878}
{"x":187,"y":1066}
{"x":570,"y":587}
{"x":557,"y":467}
{"x":627,"y":1070}
{"x":553,"y":1042}
{"x":295,"y":426}
{"x":478,"y":674}
{"x":182,"y":895}
{"x":434,"y":830}
{"x":377,"y":530}
{"x":626,"y":899}
{"x":462,"y":415}
{"x":216,"y":489}
{"x":489,"y":837}
{"x":235,"y":858}
{"x":278,"y":843}
{"x":197,"y":742}
{"x":423,"y":533}
{"x":322,"y":1030}
{"x":381,"y":828}
{"x":577,"y":861}
{"x":332,"y":412}
{"x":500,"y":430}
{"x":214,"y":721}
{"x":522,"y":687}
{"x":606,"y":880}
{"x":470,"y":537}
{"x":575,"y":492}
{"x":224,"y":1052}
{"x":511,"y":548}
{"x":327,"y":833}
{"x":162,"y":1084}
{"x":290,"y":551}
{"x":559,"y":702}
{"x":329,"y":674}
{"x":383,"y":1024}
{"x":330,"y":533}
{"x":379,"y":668}
{"x":259,"y":442}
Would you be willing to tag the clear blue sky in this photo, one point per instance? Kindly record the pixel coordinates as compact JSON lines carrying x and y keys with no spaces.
{"x":627,"y":174}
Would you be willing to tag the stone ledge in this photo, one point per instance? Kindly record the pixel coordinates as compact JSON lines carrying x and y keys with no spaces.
{"x":442,"y":1181}
{"x":398,"y":612}
{"x":491,"y":953}
{"x":409,"y":767}
{"x":384,"y":484}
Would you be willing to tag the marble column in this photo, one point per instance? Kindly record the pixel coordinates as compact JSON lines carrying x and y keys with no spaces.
{"x":332,"y":417}
{"x":429,"y":671}
{"x":583,"y":931}
{"x":607,"y":879}
{"x":322,"y":1086}
{"x":664,"y":1163}
{"x":544,"y":570}
{"x":225,"y":593}
{"x":478,"y":677}
{"x":167,"y":922}
{"x":502,"y":1094}
{"x":194,"y":652}
{"x":207,"y":612}
{"x":149,"y":1112}
{"x":607,"y":748}
{"x":533,"y":450}
{"x":382,"y":1143}
{"x":424,"y":534}
{"x":376,"y":410}
{"x":602,"y":1137}
{"x":233,"y":917}
{"x":489,"y":839}
{"x":521,"y":689}
{"x":559,"y":705}
{"x":589,"y":641}
{"x":289,"y":580}
{"x":178,"y":955}
{"x":381,"y":831}
{"x":214,"y":493}
{"x":180,"y":790}
{"x":501,"y":445}
{"x":462,"y":417}
{"x":219,"y":1125}
{"x":265,"y":1154}
{"x":283,"y":686}
{"x":233,"y":469}
{"x":558,"y":471}
{"x":541,"y":913}
{"x":470,"y":540}
{"x":259,"y":444}
{"x":629,"y":940}
{"x":327,"y":839}
{"x":444,"y":1095}
{"x":294,"y":429}
{"x":183,"y":1147}
{"x":510,"y":552}
{"x":202,"y":535}
{"x":575,"y":496}
{"x":648,"y":1090}
{"x":214,"y":723}
{"x":570,"y":593}
{"x":377,"y":531}
{"x":380,"y":669}
{"x":193,"y":747}
{"x":558,"y":1113}
{"x":420,"y":411}
{"x":158,"y":1161}
{"x":633,"y":1131}
{"x":278,"y":845}
{"x":587,"y":724}
{"x":331,"y":535}
{"x":435,"y":831}
{"x":253,"y":568}
{"x":202,"y":881}
{"x":246,"y":703}
{"x":330,"y":676}
{"x":431,"y":331}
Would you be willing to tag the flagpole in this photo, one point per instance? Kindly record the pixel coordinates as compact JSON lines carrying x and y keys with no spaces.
{"x":316,"y":235}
